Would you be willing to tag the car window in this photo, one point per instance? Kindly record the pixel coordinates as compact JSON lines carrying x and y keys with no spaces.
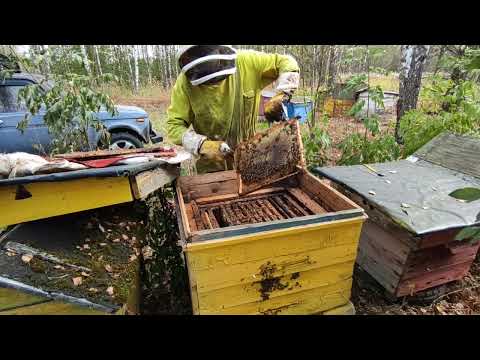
{"x":9,"y":99}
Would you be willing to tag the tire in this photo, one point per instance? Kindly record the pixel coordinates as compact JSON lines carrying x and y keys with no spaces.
{"x":123,"y":140}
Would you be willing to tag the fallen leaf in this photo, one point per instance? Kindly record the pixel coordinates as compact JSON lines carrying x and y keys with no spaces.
{"x":77,"y":280}
{"x":116,"y":276}
{"x":103,"y":244}
{"x":108,"y":268}
{"x":371,"y":192}
{"x":134,"y":238}
{"x":122,"y":224}
{"x":86,"y":246}
{"x":133,"y":257}
{"x":128,"y":228}
{"x":85,"y":274}
{"x":102,"y":229}
{"x":468,"y":194}
{"x":94,"y":290}
{"x":11,"y":253}
{"x":109,"y":230}
{"x":110,"y":290}
{"x":87,"y":240}
{"x":89,"y":254}
{"x":116,"y":240}
{"x":147,"y":252}
{"x":124,"y":237}
{"x":440,"y":308}
{"x":59,"y":267}
{"x":27,"y":258}
{"x":100,"y":258}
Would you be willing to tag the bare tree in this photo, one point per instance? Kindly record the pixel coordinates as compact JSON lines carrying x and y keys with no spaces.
{"x":412,"y":63}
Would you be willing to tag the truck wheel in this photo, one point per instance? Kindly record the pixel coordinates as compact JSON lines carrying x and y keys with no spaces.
{"x":124,"y":141}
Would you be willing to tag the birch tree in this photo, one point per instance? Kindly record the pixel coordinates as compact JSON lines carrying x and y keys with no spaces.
{"x":135,"y":62}
{"x":97,"y":57}
{"x":412,"y":63}
{"x":86,"y":62}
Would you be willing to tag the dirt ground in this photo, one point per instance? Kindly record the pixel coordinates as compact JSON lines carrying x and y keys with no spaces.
{"x":340,"y":127}
{"x":460,"y":297}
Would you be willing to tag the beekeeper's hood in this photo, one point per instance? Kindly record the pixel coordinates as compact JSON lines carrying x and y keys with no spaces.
{"x":206,"y":63}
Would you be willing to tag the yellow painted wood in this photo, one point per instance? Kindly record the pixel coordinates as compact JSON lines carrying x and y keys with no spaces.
{"x":244,"y":273}
{"x":62,"y":197}
{"x":226,"y":274}
{"x":220,"y":299}
{"x":53,"y":308}
{"x":11,"y":298}
{"x":193,"y":285}
{"x":335,"y":107}
{"x":306,"y":302}
{"x":332,"y":233}
{"x":347,"y":309}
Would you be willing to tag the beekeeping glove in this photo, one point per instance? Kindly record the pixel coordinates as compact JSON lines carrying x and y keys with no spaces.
{"x":275,"y":108}
{"x":215,"y":150}
{"x":288,"y":82}
{"x":191,"y":141}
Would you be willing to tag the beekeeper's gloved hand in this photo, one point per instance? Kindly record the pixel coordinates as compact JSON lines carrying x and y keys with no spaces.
{"x":288,"y":82}
{"x":198,"y":144}
{"x":275,"y":108}
{"x":215,"y":150}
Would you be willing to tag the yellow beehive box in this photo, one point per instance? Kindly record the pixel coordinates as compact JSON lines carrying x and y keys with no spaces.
{"x":338,"y":107}
{"x":292,"y":265}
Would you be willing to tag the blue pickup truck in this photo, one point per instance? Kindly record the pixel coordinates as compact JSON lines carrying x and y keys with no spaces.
{"x":130,"y":128}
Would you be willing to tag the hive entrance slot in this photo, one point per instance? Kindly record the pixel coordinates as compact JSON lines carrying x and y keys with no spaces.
{"x":251,"y":209}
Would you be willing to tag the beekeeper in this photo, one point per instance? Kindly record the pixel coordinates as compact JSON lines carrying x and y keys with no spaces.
{"x":216,"y":97}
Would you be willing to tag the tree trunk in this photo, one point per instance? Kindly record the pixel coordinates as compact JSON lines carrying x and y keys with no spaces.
{"x":135,"y":62}
{"x":332,"y":67}
{"x":86,"y":63}
{"x":97,"y":57}
{"x":412,"y":63}
{"x":129,"y":60}
{"x":147,"y":61}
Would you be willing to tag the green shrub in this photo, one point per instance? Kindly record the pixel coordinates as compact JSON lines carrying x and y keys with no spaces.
{"x":453,"y":107}
{"x":357,"y":149}
{"x":316,"y":143}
